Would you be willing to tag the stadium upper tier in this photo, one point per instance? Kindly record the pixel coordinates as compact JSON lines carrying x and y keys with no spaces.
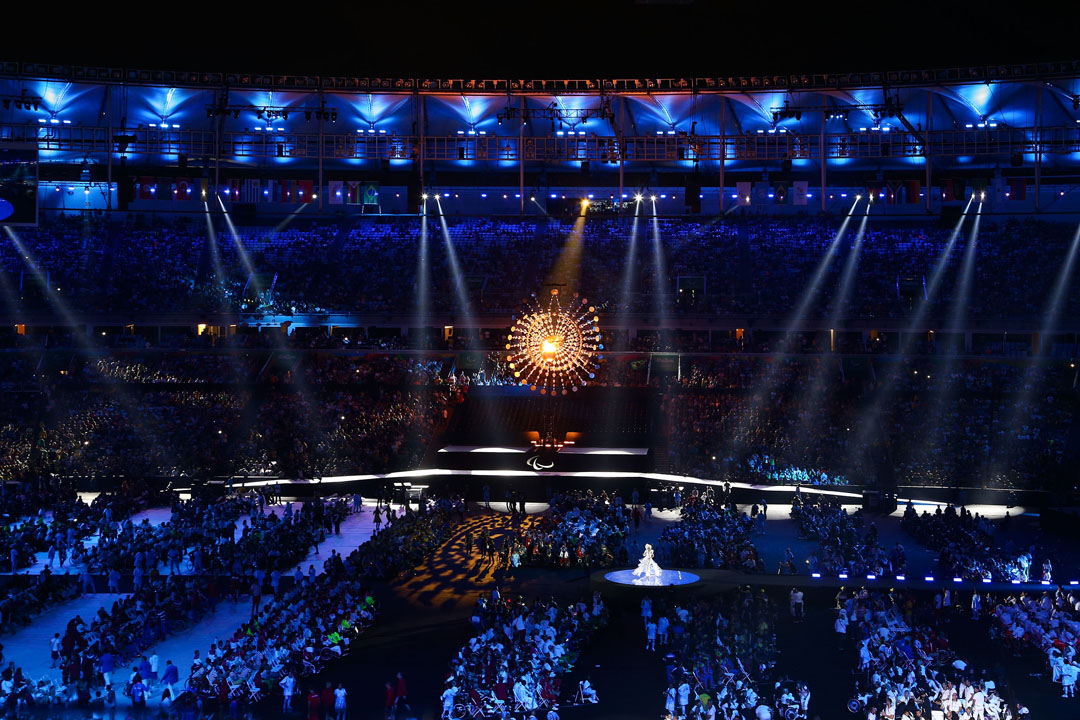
{"x":1020,"y":118}
{"x":931,"y":421}
{"x":749,"y":273}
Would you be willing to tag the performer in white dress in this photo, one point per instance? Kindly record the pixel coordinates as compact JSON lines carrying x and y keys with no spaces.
{"x":647,"y":568}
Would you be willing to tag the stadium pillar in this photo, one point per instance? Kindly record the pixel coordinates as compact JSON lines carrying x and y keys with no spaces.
{"x":108,"y":149}
{"x":619,"y":138}
{"x":521,"y":158}
{"x":421,"y":106}
{"x":926,"y":144}
{"x":318,"y":184}
{"x":1038,"y":144}
{"x":823,"y":150}
{"x":723,"y":154}
{"x":219,"y":122}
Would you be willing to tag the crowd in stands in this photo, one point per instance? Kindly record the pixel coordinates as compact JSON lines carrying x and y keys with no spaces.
{"x":718,"y":424}
{"x":757,"y":419}
{"x":810,"y":421}
{"x":721,"y":657}
{"x":711,"y":533}
{"x":906,"y":667}
{"x":520,"y":653}
{"x":979,"y":424}
{"x":148,"y":415}
{"x":967,"y":546}
{"x":748,"y":266}
{"x":845,"y":547}
{"x":171,"y":368}
{"x":583,"y":529}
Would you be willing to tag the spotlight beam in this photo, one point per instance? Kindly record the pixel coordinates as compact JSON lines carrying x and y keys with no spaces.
{"x":39,"y":276}
{"x":220,"y":276}
{"x":460,"y":290}
{"x":566,"y":272}
{"x":288,"y":218}
{"x":279,"y":339}
{"x":795,"y":322}
{"x":631,"y":263}
{"x":884,"y":395}
{"x":70,"y":319}
{"x":240,"y":250}
{"x":1031,"y":384}
{"x":660,"y":287}
{"x":812,"y":398}
{"x":423,"y":278}
{"x":943,"y":398}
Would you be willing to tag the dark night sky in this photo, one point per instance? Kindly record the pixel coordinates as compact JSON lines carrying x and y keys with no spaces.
{"x":587,"y":38}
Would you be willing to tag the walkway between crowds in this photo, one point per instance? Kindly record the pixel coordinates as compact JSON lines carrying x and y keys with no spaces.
{"x":29,"y":647}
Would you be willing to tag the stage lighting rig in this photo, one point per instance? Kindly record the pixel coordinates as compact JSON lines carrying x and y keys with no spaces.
{"x":785,"y":112}
{"x":890,"y":108}
{"x":269,"y":113}
{"x":22,"y":101}
{"x":556,"y":114}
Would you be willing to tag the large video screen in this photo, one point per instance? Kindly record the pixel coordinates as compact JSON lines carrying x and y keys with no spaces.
{"x":18,"y":185}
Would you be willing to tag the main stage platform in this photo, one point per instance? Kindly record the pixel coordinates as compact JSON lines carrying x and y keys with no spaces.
{"x":512,"y":427}
{"x":668,"y":578}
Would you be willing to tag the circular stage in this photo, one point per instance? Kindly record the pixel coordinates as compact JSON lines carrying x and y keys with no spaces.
{"x":667,"y":578}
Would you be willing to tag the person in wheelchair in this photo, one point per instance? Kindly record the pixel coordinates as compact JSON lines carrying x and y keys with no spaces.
{"x":588,"y":692}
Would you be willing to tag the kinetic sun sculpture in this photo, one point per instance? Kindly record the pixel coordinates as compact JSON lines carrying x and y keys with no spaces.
{"x":556,"y":347}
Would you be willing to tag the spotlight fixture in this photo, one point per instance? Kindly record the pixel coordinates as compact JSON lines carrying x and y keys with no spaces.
{"x":639,"y":197}
{"x":653,"y":198}
{"x":424,"y":196}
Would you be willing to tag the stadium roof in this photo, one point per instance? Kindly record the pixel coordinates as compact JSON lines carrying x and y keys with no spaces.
{"x":475,"y":88}
{"x":624,"y":38}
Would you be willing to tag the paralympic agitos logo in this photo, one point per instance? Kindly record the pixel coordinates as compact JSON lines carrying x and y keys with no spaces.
{"x":537,"y":464}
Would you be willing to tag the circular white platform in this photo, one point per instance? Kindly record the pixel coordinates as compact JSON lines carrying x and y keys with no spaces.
{"x":667,"y":578}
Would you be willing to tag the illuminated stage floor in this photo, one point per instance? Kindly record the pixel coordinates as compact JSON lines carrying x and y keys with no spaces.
{"x":666,"y":579}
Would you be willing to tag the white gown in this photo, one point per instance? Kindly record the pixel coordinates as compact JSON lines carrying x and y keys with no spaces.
{"x":647,"y":569}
